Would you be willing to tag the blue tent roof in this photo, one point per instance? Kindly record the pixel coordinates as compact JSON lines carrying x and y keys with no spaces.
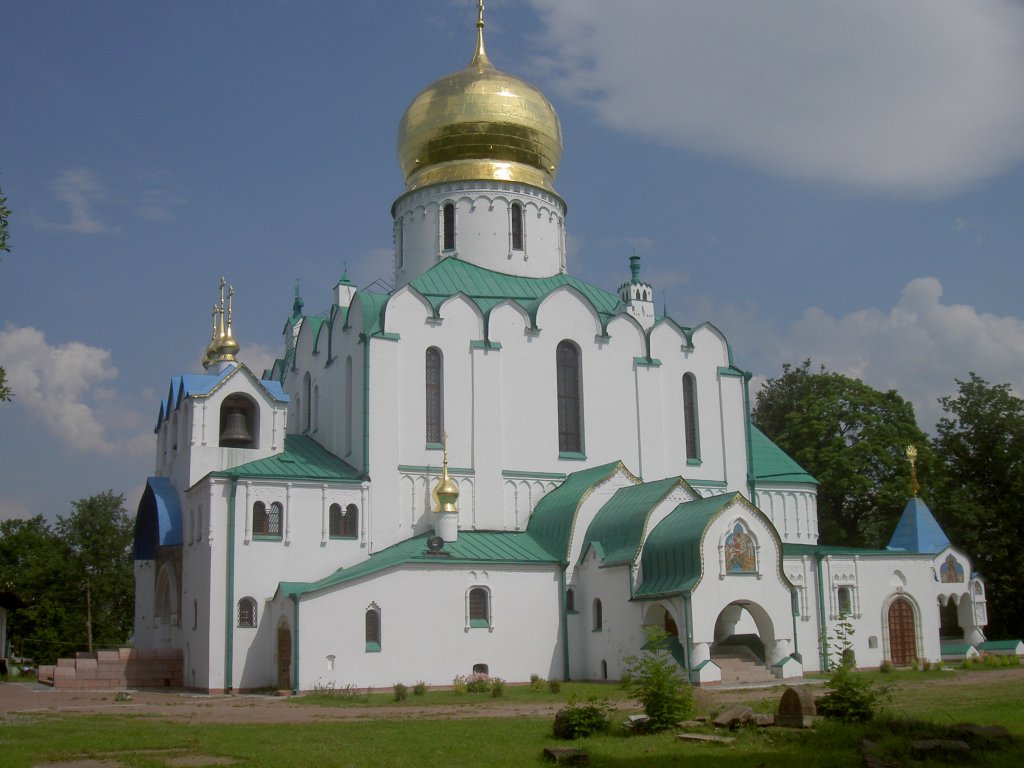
{"x":918,"y":530}
{"x":158,"y":521}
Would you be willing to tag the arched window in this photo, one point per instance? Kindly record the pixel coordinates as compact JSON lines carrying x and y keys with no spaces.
{"x":267,"y":521}
{"x":307,"y":396}
{"x":344,"y":522}
{"x":570,"y":600}
{"x":570,"y":414}
{"x":516,"y":213}
{"x":479,"y":607}
{"x":448,"y":227}
{"x":481,"y":669}
{"x":690,"y":418}
{"x":434,"y":390}
{"x":247,"y":613}
{"x":372,"y":629}
{"x":598,"y":615}
{"x":845,"y":601}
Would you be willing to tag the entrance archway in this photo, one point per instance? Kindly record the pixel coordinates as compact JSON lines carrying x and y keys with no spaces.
{"x":744,"y":624}
{"x":284,"y":657}
{"x":902,"y":632}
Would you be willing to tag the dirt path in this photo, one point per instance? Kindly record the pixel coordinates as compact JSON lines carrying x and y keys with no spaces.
{"x":31,"y":698}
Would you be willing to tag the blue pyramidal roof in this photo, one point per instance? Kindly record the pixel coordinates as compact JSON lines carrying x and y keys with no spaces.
{"x":918,"y":530}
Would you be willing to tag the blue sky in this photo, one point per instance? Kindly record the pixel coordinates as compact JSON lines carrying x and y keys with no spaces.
{"x":834,"y":180}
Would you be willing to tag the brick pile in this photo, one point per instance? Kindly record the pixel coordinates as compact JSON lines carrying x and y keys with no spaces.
{"x":121,"y":668}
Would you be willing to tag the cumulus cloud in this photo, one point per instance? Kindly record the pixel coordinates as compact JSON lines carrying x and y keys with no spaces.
{"x":911,"y":97}
{"x":919,"y":347}
{"x":61,"y":385}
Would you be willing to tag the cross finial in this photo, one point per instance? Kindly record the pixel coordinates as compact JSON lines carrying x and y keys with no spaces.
{"x":480,"y":55}
{"x":912,"y":457}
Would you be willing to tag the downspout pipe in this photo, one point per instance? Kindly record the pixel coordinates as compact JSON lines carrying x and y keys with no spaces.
{"x":565,"y":624}
{"x":688,"y":621}
{"x":295,"y":644}
{"x":229,"y":600}
{"x":751,"y":479}
{"x":795,"y":605}
{"x":366,"y":406}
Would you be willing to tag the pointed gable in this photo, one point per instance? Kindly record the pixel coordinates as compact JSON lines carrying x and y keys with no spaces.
{"x":918,"y":530}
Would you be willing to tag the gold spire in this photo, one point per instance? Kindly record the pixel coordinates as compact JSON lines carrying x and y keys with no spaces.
{"x":480,"y":55}
{"x":446,"y":492}
{"x":912,"y":457}
{"x":222,"y":346}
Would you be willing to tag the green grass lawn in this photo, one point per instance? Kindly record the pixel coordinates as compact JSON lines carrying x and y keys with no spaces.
{"x":150,"y":742}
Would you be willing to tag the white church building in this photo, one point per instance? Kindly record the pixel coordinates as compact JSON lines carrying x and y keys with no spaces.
{"x":498,"y":467}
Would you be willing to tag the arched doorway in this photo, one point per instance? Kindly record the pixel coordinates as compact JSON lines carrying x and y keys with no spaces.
{"x":902,"y":633}
{"x":744,"y":624}
{"x":284,"y":657}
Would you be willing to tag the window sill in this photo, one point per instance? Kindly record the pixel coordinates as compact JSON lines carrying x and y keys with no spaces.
{"x":479,"y":624}
{"x":435,"y":446}
{"x":597,"y":629}
{"x":693,"y":462}
{"x":343,"y":538}
{"x":572,"y":612}
{"x":373,"y":647}
{"x":572,"y":456}
{"x":266,"y":537}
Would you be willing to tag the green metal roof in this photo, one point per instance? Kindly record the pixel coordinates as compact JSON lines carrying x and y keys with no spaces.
{"x":619,"y":525}
{"x":551,"y":521}
{"x":999,"y":645}
{"x":303,"y":458}
{"x":773,"y":465}
{"x":471,"y":548}
{"x":487,"y":288}
{"x":799,"y":550}
{"x":671,"y":560}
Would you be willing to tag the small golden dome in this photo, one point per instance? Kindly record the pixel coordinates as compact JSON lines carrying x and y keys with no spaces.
{"x":480,"y":124}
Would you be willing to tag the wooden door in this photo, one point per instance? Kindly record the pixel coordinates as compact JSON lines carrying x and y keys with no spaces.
{"x":284,"y":659}
{"x":902,"y":634}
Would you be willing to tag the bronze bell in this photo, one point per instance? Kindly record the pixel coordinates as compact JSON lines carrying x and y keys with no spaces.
{"x":236,"y":431}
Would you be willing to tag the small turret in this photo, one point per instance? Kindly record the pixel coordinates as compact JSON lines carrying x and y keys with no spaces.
{"x":638,"y":296}
{"x":446,"y":499}
{"x":344,"y":291}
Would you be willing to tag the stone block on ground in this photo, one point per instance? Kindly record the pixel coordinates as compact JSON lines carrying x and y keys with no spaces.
{"x":566,"y":755}
{"x":733,"y":716}
{"x":706,"y":738}
{"x":796,"y":709}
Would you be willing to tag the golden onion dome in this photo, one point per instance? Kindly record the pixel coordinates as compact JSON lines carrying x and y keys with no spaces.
{"x":480,"y":124}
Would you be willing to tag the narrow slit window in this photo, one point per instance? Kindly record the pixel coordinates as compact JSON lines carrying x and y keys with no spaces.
{"x":448,"y":227}
{"x":434,"y":395}
{"x":517,"y":227}
{"x":570,"y":432}
{"x":690,"y":417}
{"x":372,"y":630}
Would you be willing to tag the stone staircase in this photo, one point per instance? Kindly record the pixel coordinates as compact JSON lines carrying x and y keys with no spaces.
{"x":739,"y":665}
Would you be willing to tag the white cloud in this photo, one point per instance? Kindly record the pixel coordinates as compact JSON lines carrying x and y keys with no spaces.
{"x":81,"y":189}
{"x":919,"y":347}
{"x":259,"y":357}
{"x":914,"y":97}
{"x":61,"y":385}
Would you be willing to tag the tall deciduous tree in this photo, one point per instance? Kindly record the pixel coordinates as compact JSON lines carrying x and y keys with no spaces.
{"x":35,"y":565}
{"x":98,"y":534}
{"x":5,"y":212}
{"x":981,"y":444}
{"x":853,"y":439}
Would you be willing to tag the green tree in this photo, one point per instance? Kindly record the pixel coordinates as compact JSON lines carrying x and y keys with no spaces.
{"x":98,"y":535}
{"x":5,"y":213}
{"x":853,"y":439}
{"x":658,"y":683}
{"x":35,"y":565}
{"x":981,"y":445}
